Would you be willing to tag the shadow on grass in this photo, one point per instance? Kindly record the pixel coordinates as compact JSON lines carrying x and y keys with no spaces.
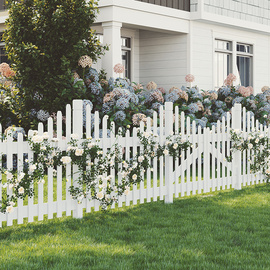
{"x":221,"y":230}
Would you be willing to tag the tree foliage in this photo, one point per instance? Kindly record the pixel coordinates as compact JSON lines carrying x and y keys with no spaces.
{"x":44,"y":40}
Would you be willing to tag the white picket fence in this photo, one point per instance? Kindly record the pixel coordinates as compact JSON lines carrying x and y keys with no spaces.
{"x":203,"y":168}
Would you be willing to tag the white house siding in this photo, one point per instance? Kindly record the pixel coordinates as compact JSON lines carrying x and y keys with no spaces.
{"x":163,"y":58}
{"x":257,"y":11}
{"x":202,"y":63}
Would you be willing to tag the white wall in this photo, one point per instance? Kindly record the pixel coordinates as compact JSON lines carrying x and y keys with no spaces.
{"x":257,"y":11}
{"x":163,"y":58}
{"x":202,"y":63}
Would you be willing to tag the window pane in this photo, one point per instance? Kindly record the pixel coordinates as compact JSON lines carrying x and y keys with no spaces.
{"x":126,"y":62}
{"x":223,"y":45}
{"x":223,"y":67}
{"x":244,"y":48}
{"x":244,"y":68}
{"x":126,"y":42}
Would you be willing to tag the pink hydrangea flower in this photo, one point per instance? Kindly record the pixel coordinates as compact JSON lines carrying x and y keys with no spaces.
{"x":189,"y":78}
{"x":245,"y":91}
{"x":119,"y":68}
{"x":230,"y":79}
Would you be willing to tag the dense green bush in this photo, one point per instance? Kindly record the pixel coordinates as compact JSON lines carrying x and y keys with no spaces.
{"x":44,"y":40}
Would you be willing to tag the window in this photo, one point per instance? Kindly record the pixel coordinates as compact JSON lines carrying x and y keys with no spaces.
{"x":126,"y":56}
{"x":3,"y":56}
{"x":223,"y":61}
{"x":244,"y":63}
{"x":233,"y":57}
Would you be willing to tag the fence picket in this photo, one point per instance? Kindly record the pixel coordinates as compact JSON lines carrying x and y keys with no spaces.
{"x":20,"y":170}
{"x":155,"y":166}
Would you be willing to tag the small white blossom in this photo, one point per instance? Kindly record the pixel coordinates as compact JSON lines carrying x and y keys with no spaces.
{"x":165,"y":152}
{"x":32,"y":167}
{"x":66,"y":159}
{"x":134,"y":176}
{"x":37,"y":139}
{"x":79,"y":152}
{"x":100,"y":195}
{"x":74,"y":136}
{"x":21,"y":190}
{"x":10,"y":209}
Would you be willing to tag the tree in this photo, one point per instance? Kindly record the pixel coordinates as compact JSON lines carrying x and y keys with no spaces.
{"x":44,"y":40}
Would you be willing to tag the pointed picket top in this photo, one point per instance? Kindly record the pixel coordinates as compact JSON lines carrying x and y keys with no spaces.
{"x":50,"y":127}
{"x":176,"y":120}
{"x":68,"y":121}
{"x":40,"y":129}
{"x":105,"y":126}
{"x":59,"y":125}
{"x":88,"y":124}
{"x":96,"y":127}
{"x":182,"y":131}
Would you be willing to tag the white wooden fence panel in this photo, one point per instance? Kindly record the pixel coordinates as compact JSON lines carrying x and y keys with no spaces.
{"x":199,"y":169}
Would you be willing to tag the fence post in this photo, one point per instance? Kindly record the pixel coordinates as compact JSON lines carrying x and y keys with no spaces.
{"x":168,"y":159}
{"x":77,"y":128}
{"x":236,"y":165}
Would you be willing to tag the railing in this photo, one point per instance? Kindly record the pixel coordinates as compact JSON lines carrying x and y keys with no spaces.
{"x":2,"y":5}
{"x":177,"y":4}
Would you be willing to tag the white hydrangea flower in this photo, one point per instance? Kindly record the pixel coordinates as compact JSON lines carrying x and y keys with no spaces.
{"x":66,"y":159}
{"x":10,"y":209}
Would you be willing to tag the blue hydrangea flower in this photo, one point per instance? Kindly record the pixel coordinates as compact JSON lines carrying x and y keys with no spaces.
{"x":120,"y":82}
{"x":120,"y":115}
{"x":133,"y":98}
{"x":149,"y":112}
{"x":130,"y":88}
{"x":266,"y":108}
{"x":156,"y":106}
{"x":87,"y":102}
{"x":171,"y":97}
{"x":193,"y":108}
{"x":197,"y":96}
{"x":106,"y":108}
{"x":220,"y":104}
{"x":225,"y":91}
{"x":95,"y":88}
{"x":261,"y":97}
{"x":122,"y":103}
{"x":111,"y":81}
{"x":200,"y":122}
{"x":237,"y":100}
{"x":207,"y":102}
{"x":93,"y":73}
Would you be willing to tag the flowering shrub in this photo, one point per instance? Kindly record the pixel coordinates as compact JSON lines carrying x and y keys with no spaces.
{"x":129,"y":103}
{"x":93,"y":179}
{"x":258,"y":144}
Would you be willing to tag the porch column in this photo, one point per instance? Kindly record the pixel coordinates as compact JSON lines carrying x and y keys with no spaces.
{"x":112,"y":37}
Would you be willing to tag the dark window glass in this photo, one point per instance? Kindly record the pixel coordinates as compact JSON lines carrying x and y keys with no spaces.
{"x":244,"y":68}
{"x":126,"y":56}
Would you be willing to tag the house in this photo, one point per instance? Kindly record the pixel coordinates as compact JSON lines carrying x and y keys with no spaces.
{"x":164,"y":40}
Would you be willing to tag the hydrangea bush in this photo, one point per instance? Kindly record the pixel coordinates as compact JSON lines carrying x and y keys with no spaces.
{"x":127,"y":103}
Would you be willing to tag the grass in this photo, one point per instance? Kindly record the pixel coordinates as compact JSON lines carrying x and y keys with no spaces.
{"x":221,"y":230}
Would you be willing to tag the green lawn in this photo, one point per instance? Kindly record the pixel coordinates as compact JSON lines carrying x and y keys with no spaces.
{"x":221,"y":230}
